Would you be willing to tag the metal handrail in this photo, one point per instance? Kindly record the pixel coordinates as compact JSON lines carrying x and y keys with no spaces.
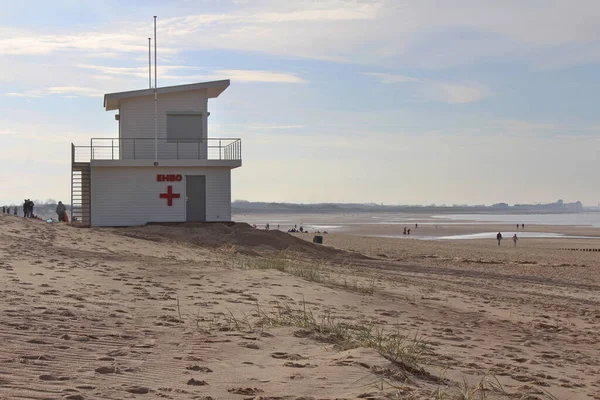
{"x":143,"y":148}
{"x":168,"y":139}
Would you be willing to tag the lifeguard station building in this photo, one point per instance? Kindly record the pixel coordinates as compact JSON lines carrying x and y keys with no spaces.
{"x":162,"y":167}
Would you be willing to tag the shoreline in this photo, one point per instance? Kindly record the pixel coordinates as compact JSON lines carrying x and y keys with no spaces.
{"x":422,"y":227}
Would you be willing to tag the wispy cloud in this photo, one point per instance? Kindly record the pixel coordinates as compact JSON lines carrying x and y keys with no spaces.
{"x":107,"y":77}
{"x":65,"y":91}
{"x":242,"y":75}
{"x":171,"y":72}
{"x":164,"y":71}
{"x":445,"y":92}
{"x":99,"y":43}
{"x":269,"y":127}
{"x":455,"y":93}
{"x":391,"y":78}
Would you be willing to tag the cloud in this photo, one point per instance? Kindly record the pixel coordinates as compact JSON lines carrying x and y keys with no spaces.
{"x":445,"y":92}
{"x":98,"y":43}
{"x":242,"y":75}
{"x":391,"y":78}
{"x":356,"y":31}
{"x":269,"y":127}
{"x":171,"y":72}
{"x":65,"y":91}
{"x":108,"y":83}
{"x":164,"y":71}
{"x":455,"y":93}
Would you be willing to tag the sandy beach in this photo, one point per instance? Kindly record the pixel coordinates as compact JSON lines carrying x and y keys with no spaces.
{"x":230,"y":312}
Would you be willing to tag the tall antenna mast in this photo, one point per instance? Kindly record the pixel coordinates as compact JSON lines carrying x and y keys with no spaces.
{"x":149,"y":63}
{"x":155,"y":102}
{"x":155,"y":84}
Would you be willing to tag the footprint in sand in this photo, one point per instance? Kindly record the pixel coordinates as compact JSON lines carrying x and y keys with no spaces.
{"x":298,"y":365}
{"x":74,"y":397}
{"x":53,"y":378}
{"x":245,"y":391}
{"x":137,"y":390}
{"x":198,"y":368}
{"x":287,"y":356}
{"x":106,"y":370}
{"x":194,"y":382}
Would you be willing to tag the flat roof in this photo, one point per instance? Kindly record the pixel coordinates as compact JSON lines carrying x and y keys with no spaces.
{"x":213,"y":89}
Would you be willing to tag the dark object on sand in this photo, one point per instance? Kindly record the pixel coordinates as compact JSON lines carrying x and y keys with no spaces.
{"x":318,"y":239}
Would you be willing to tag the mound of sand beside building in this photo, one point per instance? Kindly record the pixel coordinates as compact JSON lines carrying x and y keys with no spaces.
{"x":239,"y":236}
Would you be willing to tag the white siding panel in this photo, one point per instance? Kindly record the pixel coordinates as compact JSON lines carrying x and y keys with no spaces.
{"x":129,"y":196}
{"x":137,"y":120}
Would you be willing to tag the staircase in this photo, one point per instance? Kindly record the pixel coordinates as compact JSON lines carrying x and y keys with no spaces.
{"x":80,"y":193}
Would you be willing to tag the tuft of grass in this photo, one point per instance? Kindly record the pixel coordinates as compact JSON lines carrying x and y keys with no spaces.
{"x":466,"y":391}
{"x":308,"y":271}
{"x":265,"y":263}
{"x":402,"y":350}
{"x":179,"y":309}
{"x":242,"y":324}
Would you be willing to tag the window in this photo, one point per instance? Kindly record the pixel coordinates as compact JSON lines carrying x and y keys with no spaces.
{"x":184,"y":127}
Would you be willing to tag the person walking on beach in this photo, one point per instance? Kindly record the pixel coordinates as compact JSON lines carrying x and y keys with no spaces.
{"x":60,"y":211}
{"x":499,"y":237}
{"x":16,"y":210}
{"x":3,"y":210}
{"x":517,"y":226}
{"x":515,"y":238}
{"x":522,"y":226}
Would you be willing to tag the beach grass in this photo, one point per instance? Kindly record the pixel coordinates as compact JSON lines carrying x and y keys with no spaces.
{"x":312,"y":271}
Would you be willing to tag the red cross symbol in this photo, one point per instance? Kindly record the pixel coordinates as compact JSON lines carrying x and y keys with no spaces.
{"x":169,"y":195}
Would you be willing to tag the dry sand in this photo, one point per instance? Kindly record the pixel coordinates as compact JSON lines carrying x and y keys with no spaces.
{"x":171,"y":312}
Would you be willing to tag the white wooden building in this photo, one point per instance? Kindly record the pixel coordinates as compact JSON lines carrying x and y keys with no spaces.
{"x":177,"y":174}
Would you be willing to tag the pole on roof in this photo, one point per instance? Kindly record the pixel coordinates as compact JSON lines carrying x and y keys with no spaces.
{"x":155,"y":71}
{"x":149,"y":63}
{"x":155,"y":102}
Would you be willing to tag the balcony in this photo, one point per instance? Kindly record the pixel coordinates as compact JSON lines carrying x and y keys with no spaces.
{"x":147,"y":149}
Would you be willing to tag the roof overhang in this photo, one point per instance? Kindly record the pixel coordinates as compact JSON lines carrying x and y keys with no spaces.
{"x":213,"y":89}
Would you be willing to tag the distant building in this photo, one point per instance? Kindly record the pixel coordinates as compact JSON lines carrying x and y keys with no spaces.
{"x":133,"y":179}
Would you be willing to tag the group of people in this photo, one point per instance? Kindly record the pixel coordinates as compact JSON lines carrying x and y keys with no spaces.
{"x":514,"y":238}
{"x":28,"y":208}
{"x":268,"y":226}
{"x":61,"y":210}
{"x":295,"y":229}
{"x":6,"y":210}
{"x":407,"y":231}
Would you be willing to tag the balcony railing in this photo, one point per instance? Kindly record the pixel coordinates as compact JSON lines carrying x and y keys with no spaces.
{"x":163,"y":148}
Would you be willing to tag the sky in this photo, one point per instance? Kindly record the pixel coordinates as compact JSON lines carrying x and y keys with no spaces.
{"x":384,"y":101}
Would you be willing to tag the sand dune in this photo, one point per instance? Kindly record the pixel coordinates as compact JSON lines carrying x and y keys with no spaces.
{"x":141,"y":313}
